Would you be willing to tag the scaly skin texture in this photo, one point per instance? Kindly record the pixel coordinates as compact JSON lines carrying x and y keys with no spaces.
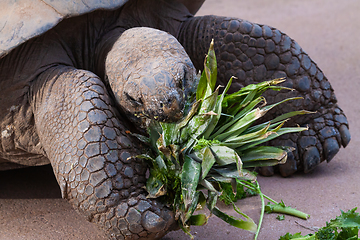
{"x":255,"y":53}
{"x":72,"y":116}
{"x":85,"y":139}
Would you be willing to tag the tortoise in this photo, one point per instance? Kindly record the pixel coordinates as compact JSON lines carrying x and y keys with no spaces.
{"x":76,"y":76}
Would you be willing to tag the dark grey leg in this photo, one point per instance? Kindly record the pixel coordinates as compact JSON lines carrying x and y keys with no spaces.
{"x":89,"y":149}
{"x":255,"y":53}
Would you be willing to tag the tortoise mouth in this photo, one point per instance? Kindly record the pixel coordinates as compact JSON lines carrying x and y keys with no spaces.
{"x":168,"y":108}
{"x":163,"y":107}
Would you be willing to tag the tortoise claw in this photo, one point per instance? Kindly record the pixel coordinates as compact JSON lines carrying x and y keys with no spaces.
{"x":345,"y":135}
{"x":266,"y":171}
{"x":290,"y":167}
{"x":331,"y":148}
{"x":311,"y":158}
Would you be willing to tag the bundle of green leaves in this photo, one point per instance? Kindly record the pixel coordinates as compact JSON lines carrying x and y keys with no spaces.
{"x":213,"y":146}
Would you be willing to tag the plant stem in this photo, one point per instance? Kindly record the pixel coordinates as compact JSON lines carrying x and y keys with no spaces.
{"x":248,"y":185}
{"x":262,"y":211}
{"x":276,"y":208}
{"x":270,"y":199}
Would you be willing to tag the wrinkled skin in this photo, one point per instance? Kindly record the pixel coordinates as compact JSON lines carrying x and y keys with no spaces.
{"x":72,"y":91}
{"x":155,"y":78}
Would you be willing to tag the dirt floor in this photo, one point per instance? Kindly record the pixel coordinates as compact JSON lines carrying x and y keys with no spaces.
{"x":30,"y":202}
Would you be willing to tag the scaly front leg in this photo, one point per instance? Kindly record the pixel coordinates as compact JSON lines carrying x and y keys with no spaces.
{"x":255,"y":53}
{"x":86,"y":142}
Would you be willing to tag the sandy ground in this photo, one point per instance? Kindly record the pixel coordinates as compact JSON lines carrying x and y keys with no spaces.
{"x":31,"y":206}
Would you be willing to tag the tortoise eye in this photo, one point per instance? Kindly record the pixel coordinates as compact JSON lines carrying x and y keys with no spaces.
{"x":133,"y":100}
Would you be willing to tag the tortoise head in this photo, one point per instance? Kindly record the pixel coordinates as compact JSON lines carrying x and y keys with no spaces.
{"x":150,"y":74}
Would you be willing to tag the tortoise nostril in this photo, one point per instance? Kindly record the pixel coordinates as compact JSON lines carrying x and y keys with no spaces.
{"x":170,"y":100}
{"x":173,"y":103}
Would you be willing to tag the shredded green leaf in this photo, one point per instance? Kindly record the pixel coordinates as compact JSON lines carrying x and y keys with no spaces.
{"x":343,"y":227}
{"x":202,"y":143}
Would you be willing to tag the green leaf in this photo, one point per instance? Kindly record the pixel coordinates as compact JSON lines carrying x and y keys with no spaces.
{"x":158,"y":162}
{"x":280,"y":217}
{"x":203,"y":143}
{"x":225,"y":155}
{"x":218,"y":110}
{"x":154,"y":186}
{"x":327,"y":233}
{"x":343,"y":227}
{"x":228,"y":196}
{"x":211,"y":66}
{"x":235,"y":101}
{"x":248,"y":225}
{"x":198,"y":220}
{"x":208,"y":77}
{"x":209,"y":103}
{"x":141,"y":138}
{"x":212,"y":200}
{"x":217,"y":178}
{"x":242,"y":124}
{"x":238,"y":116}
{"x":209,"y":186}
{"x":202,"y":87}
{"x":189,"y":116}
{"x":244,"y":121}
{"x":246,"y":117}
{"x":238,"y":102}
{"x":249,"y":175}
{"x":269,"y":107}
{"x":290,"y":114}
{"x":264,"y":85}
{"x":231,"y":171}
{"x":199,"y":123}
{"x":237,"y":141}
{"x":154,"y":130}
{"x":348,"y":234}
{"x":276,"y":121}
{"x":297,"y":236}
{"x":208,"y":161}
{"x":263,"y":163}
{"x":146,"y":157}
{"x":169,"y":133}
{"x":346,"y":220}
{"x":264,"y":153}
{"x":191,"y":209}
{"x":189,"y":180}
{"x":202,"y":200}
{"x":271,"y":137}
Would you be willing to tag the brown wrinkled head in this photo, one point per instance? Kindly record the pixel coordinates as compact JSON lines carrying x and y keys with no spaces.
{"x":150,"y":74}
